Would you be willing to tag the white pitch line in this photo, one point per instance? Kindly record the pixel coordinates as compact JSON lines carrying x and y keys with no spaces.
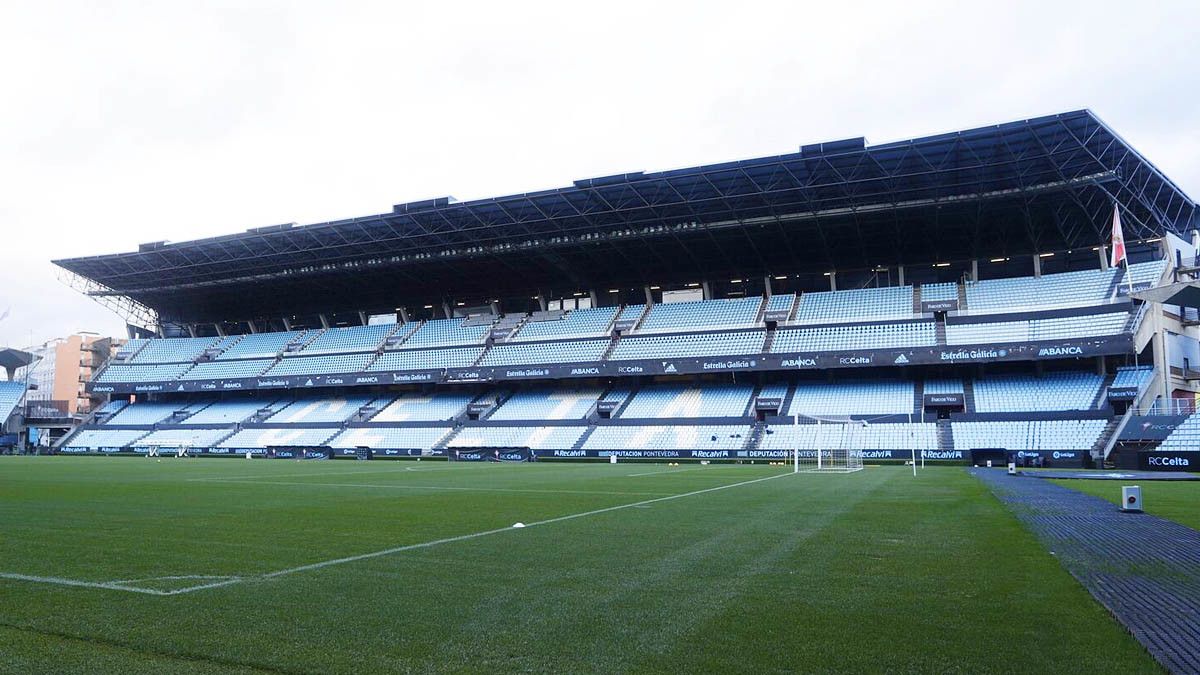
{"x":655,"y":473}
{"x":400,"y":486}
{"x":378,"y":554}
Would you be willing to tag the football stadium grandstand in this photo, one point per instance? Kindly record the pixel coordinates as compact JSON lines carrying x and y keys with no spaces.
{"x":955,"y":293}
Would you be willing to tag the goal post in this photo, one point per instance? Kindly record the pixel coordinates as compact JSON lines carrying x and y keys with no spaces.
{"x":836,"y":446}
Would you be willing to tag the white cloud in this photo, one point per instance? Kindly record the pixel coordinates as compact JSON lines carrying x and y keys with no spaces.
{"x":145,"y":121}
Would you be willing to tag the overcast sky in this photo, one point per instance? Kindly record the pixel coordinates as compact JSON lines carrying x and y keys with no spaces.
{"x":138,"y":122}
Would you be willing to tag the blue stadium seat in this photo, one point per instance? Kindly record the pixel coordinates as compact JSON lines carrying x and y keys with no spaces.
{"x":732,"y":343}
{"x":1026,"y":393}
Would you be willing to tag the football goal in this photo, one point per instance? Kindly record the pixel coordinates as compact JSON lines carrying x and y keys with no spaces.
{"x":828,"y":444}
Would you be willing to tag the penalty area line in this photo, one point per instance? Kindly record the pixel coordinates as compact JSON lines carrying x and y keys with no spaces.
{"x":376,"y":554}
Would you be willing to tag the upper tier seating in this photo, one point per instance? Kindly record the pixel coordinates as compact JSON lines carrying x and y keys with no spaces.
{"x":350,"y":339}
{"x":1143,"y":273}
{"x":778,"y":390}
{"x":93,"y":439}
{"x":427,"y":359}
{"x":227,"y":412}
{"x":178,"y":350}
{"x":420,"y":438}
{"x":111,"y":408}
{"x":336,"y":364}
{"x":536,"y":438}
{"x":704,"y":437}
{"x":948,"y":291}
{"x":858,"y":336}
{"x":265,"y":438}
{"x":153,"y":413}
{"x":729,"y":313}
{"x":1022,"y":393}
{"x":781,"y":302}
{"x":156,"y":373}
{"x":260,"y":345}
{"x":674,"y":401}
{"x":575,"y":323}
{"x":10,"y":396}
{"x":733,"y":343}
{"x":901,"y":436}
{"x":413,"y":407}
{"x":838,"y":399}
{"x":557,"y":404}
{"x":445,"y":333}
{"x":574,"y":351}
{"x":867,"y":304}
{"x":631,"y":313}
{"x":219,"y":370}
{"x":1186,"y":436}
{"x":1060,"y":328}
{"x":1129,"y":376}
{"x":1028,"y":435}
{"x":183,"y":438}
{"x":321,"y":410}
{"x":130,"y":348}
{"x":1085,"y":287}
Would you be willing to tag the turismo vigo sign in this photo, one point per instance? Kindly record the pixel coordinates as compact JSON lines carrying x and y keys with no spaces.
{"x":684,"y":366}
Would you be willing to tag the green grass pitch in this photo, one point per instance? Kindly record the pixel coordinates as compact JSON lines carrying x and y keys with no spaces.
{"x":641,"y":568}
{"x":1178,"y":501}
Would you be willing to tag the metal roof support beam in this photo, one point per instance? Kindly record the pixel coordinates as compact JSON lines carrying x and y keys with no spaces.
{"x":217,"y":327}
{"x":287,"y":324}
{"x":404,"y":314}
{"x":362,"y":318}
{"x":324,"y":321}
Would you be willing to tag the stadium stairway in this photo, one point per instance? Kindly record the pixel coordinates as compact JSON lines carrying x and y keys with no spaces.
{"x":755,"y":437}
{"x":611,"y":346}
{"x":583,"y":438}
{"x":916,"y":298}
{"x":945,"y":437}
{"x":1102,"y":442}
{"x":762,"y":310}
{"x":962,"y":297}
{"x":1102,"y":394}
{"x":918,"y":397}
{"x":939,"y":331}
{"x":748,"y":411}
{"x":769,"y":341}
{"x":968,"y":395}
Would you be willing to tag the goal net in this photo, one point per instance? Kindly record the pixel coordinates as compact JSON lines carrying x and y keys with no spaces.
{"x":828,"y":444}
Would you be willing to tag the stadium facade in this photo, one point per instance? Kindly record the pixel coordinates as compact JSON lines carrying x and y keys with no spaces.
{"x":954,"y":291}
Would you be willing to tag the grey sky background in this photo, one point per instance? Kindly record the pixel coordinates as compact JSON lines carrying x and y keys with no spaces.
{"x":136,"y":122}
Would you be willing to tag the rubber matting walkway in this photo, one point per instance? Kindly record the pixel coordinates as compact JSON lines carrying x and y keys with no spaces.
{"x":1144,"y":569}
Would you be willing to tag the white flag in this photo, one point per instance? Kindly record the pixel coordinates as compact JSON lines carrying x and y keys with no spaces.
{"x":1118,"y":239}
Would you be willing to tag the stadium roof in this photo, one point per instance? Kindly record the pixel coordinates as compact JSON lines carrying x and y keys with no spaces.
{"x":1023,"y":187}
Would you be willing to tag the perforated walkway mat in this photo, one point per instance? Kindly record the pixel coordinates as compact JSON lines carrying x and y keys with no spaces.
{"x":1144,"y":569}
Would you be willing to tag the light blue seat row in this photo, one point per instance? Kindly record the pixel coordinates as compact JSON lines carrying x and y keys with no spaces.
{"x":153,"y":413}
{"x":183,"y":438}
{"x":416,"y":407}
{"x":858,"y":336}
{"x":701,"y":437}
{"x":839,"y":399}
{"x":1085,"y":287}
{"x":218,"y":370}
{"x":574,"y":351}
{"x":943,"y":386}
{"x":834,"y":436}
{"x":141,"y":373}
{"x":10,"y":395}
{"x":445,"y":333}
{"x":1060,"y":328}
{"x":551,"y":404}
{"x":728,"y":313}
{"x":321,"y":410}
{"x":1143,"y":273}
{"x":536,"y":438}
{"x":777,"y":390}
{"x":1186,"y":436}
{"x":575,"y":323}
{"x":227,"y":412}
{"x":350,"y":339}
{"x":427,"y":359}
{"x":335,"y":364}
{"x":1052,"y":391}
{"x":867,"y":304}
{"x":733,"y":343}
{"x":1028,"y":435}
{"x":782,"y":302}
{"x":265,"y":438}
{"x":94,"y":439}
{"x":393,"y":438}
{"x":178,"y":350}
{"x":260,"y":345}
{"x":948,"y":291}
{"x":676,"y":401}
{"x":631,"y":313}
{"x":1135,"y":377}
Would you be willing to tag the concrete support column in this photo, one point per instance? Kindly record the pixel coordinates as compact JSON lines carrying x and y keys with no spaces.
{"x":287,"y":323}
{"x":253,"y":328}
{"x":767,"y":285}
{"x":1100,"y":369}
{"x":446,"y":310}
{"x":1037,"y":266}
{"x":975,"y":270}
{"x":1162,"y":360}
{"x":706,"y":289}
{"x":1102,"y":251}
{"x":191,"y":329}
{"x":833,"y":281}
{"x":649,"y":296}
{"x":324,"y":320}
{"x":495,"y":308}
{"x":595,"y":298}
{"x":900,"y":275}
{"x":362,"y":318}
{"x":541,"y":298}
{"x":404,"y":314}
